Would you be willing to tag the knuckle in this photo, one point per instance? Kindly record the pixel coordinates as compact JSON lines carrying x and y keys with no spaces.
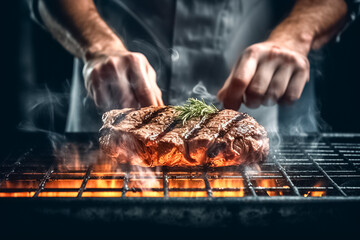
{"x":274,"y":51}
{"x":110,"y":64}
{"x":132,"y":58}
{"x":252,"y":51}
{"x":255,"y":92}
{"x":303,"y":64}
{"x":139,"y":55}
{"x":289,"y":58}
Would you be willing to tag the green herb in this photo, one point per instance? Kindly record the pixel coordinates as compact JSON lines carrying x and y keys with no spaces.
{"x":194,"y":108}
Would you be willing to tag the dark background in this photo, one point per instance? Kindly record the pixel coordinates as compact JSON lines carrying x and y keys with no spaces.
{"x":36,"y":73}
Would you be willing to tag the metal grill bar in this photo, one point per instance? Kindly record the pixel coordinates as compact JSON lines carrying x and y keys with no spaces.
{"x":165,"y":182}
{"x":324,"y":173}
{"x":248,"y":183}
{"x":126,"y":182}
{"x":207,"y":186}
{"x":85,"y":180}
{"x":344,"y":157}
{"x":16,"y":164}
{"x":288,"y":180}
{"x":43,"y":181}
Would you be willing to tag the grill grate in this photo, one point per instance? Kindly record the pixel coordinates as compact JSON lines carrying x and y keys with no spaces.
{"x":301,"y":167}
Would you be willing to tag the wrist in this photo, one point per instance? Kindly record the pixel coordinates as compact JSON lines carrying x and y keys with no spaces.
{"x":103,"y":47}
{"x":298,"y":39}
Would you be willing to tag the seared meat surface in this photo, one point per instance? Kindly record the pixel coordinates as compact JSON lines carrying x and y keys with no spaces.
{"x":153,"y":136}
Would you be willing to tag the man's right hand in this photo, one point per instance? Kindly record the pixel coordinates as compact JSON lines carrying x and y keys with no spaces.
{"x":121,"y":79}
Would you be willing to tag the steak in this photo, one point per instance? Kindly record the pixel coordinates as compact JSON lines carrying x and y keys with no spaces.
{"x":154,"y":136}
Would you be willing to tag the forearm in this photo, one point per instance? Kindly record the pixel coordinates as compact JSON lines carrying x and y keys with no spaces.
{"x":78,"y":27}
{"x":310,"y":24}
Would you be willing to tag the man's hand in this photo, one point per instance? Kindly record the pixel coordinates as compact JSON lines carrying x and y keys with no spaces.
{"x":277,"y":69}
{"x":122,"y":79}
{"x":265,"y":74}
{"x":114,"y":77}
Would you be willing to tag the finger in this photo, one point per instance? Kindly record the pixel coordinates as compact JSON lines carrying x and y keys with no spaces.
{"x":140,"y":85}
{"x":119,"y":89}
{"x":159,"y":99}
{"x":109,"y":80}
{"x":278,"y":84}
{"x":122,"y":95}
{"x":235,"y":85}
{"x":295,"y":86}
{"x":96,"y":89}
{"x":257,"y":88}
{"x":155,"y":88}
{"x":102,"y":97}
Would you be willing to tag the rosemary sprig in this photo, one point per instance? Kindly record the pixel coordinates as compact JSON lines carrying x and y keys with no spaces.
{"x":194,"y":108}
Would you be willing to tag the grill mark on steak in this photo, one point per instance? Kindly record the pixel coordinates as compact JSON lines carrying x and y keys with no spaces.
{"x":193,"y":132}
{"x":217,"y":146}
{"x":149,"y":116}
{"x":121,"y":117}
{"x":169,"y":128}
{"x":229,"y":124}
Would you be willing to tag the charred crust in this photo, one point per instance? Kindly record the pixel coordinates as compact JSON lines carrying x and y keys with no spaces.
{"x":169,"y":128}
{"x":104,"y":131}
{"x":121,"y":117}
{"x":195,"y":130}
{"x":149,"y":116}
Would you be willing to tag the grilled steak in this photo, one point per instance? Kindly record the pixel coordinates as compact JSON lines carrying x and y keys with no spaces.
{"x":153,"y":136}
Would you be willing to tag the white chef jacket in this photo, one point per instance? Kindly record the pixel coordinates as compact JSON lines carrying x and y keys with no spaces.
{"x":190,"y":42}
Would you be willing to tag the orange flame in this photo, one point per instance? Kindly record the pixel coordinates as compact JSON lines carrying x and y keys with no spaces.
{"x":106,"y":180}
{"x":315,"y":193}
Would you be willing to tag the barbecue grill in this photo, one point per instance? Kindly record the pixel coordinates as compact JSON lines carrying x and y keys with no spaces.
{"x":310,"y":180}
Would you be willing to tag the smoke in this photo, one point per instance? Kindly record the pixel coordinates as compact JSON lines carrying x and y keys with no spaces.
{"x":199,"y":91}
{"x":42,"y":110}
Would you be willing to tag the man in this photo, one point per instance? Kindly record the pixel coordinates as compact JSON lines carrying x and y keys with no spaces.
{"x":131,"y":52}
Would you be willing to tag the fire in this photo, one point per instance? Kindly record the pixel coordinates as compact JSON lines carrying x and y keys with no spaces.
{"x":316,"y":193}
{"x":269,"y":184}
{"x":17,"y":194}
{"x":94,"y":176}
{"x":178,"y":187}
{"x":227,"y":183}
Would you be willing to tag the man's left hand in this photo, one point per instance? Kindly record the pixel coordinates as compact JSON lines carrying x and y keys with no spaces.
{"x":266,"y":73}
